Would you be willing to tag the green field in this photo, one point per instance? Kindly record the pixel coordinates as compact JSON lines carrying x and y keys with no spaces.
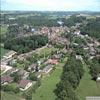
{"x":87,"y":86}
{"x":2,"y":52}
{"x":3,"y":29}
{"x":45,"y":91}
{"x":47,"y":51}
{"x":8,"y":96}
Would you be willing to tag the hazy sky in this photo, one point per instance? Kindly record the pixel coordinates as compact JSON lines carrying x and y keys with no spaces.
{"x":51,"y":5}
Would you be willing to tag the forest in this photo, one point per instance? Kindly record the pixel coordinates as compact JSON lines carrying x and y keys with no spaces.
{"x":26,"y":44}
{"x":93,"y":28}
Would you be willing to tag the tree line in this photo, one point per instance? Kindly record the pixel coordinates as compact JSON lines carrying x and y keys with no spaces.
{"x":72,"y":73}
{"x":95,"y":67}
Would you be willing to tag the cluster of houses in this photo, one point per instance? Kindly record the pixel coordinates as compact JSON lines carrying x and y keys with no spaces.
{"x":24,"y":83}
{"x":8,"y":70}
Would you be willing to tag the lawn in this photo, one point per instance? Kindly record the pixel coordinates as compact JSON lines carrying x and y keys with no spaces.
{"x":87,"y":86}
{"x":9,"y":96}
{"x":2,"y":52}
{"x":45,"y":91}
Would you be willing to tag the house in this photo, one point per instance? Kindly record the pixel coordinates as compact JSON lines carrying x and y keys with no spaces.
{"x":98,"y":78}
{"x":5,"y":68}
{"x":24,"y":74}
{"x":32,"y":67}
{"x":79,"y":57}
{"x":38,"y":74}
{"x":47,"y":69}
{"x":25,"y":84}
{"x":6,"y":79}
{"x":93,"y":98}
{"x":92,"y":51}
{"x":77,"y":32}
{"x":57,"y":56}
{"x":10,"y":54}
{"x":53,"y":61}
{"x":11,"y":71}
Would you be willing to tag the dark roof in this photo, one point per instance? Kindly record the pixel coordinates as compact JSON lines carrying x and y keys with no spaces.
{"x":6,"y":79}
{"x":47,"y":68}
{"x":23,"y":83}
{"x":21,"y":72}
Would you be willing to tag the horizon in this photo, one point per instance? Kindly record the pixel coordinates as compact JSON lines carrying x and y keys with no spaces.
{"x":51,"y":5}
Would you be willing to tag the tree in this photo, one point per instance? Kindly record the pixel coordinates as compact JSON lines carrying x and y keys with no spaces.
{"x":64,"y":91}
{"x":32,"y":77}
{"x":17,"y":78}
{"x":95,"y":68}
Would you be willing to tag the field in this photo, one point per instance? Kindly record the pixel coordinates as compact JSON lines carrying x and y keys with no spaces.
{"x":3,"y":29}
{"x":8,"y":96}
{"x":45,"y":91}
{"x":87,"y":86}
{"x":2,"y":51}
{"x":47,"y":51}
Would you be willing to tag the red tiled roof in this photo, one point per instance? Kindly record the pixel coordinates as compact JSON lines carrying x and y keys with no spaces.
{"x":6,"y":79}
{"x":23,"y":83}
{"x":53,"y":61}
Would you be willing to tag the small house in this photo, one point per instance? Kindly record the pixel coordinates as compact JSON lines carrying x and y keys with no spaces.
{"x":10,"y":54}
{"x":32,"y":67}
{"x":98,"y":78}
{"x":48,"y":69}
{"x":24,"y":74}
{"x":6,"y":79}
{"x":38,"y":74}
{"x":79,"y":57}
{"x":25,"y":84}
{"x":53,"y":61}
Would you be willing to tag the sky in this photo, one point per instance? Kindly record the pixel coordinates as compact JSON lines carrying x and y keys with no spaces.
{"x":51,"y":5}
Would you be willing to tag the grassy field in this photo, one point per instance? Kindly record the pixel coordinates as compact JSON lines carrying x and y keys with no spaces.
{"x":87,"y":86}
{"x":2,"y":51}
{"x":47,"y":51}
{"x":45,"y":91}
{"x":8,"y":96}
{"x":3,"y":29}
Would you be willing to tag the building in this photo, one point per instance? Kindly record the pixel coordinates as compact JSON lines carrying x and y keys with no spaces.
{"x":98,"y":79}
{"x":25,"y":84}
{"x":93,"y":98}
{"x":11,"y":71}
{"x":6,"y":79}
{"x":24,"y":74}
{"x":53,"y":61}
{"x":48,"y":69}
{"x":38,"y":75}
{"x":5,"y":68}
{"x":79,"y":57}
{"x":10,"y":54}
{"x":32,"y":67}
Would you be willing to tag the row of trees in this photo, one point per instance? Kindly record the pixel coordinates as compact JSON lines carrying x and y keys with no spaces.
{"x":72,"y":73}
{"x":95,"y":67}
{"x":26,"y":44}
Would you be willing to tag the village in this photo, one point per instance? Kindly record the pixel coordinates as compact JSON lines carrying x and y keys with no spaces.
{"x":44,"y":65}
{"x":26,"y":71}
